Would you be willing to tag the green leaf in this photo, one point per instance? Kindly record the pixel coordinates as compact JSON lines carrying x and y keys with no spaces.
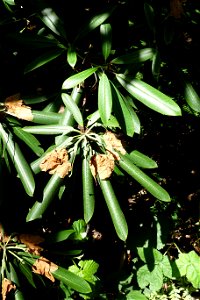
{"x":94,"y":22}
{"x":153,"y":279}
{"x":150,"y":16}
{"x":48,"y":129}
{"x":135,"y":295}
{"x":73,"y":108}
{"x":191,"y":96}
{"x":122,"y":111}
{"x":59,"y":236}
{"x":43,"y":59}
{"x":142,"y":160}
{"x":149,"y":255}
{"x":88,"y":191}
{"x":149,"y":184}
{"x":134,"y":57}
{"x":53,"y":21}
{"x":14,"y":278}
{"x":72,"y":280}
{"x":45,"y":117}
{"x":114,"y":208}
{"x":78,"y":78}
{"x":71,"y":56}
{"x":149,"y":96}
{"x":80,"y":229}
{"x":166,"y":266}
{"x":19,"y":161}
{"x":27,"y":272}
{"x":50,"y":191}
{"x":188,"y":265}
{"x":104,"y":98}
{"x":29,"y":139}
{"x":156,"y":64}
{"x":106,"y":38}
{"x":86,"y":270}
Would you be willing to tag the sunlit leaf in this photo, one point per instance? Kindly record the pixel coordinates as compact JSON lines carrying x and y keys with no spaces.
{"x":78,"y":78}
{"x":19,"y":161}
{"x":104,"y":98}
{"x":73,"y":108}
{"x":29,"y":139}
{"x":71,"y":57}
{"x":48,"y":129}
{"x":136,"y":56}
{"x":106,"y":39}
{"x":53,"y":21}
{"x":114,"y":208}
{"x":142,"y":160}
{"x":149,"y":96}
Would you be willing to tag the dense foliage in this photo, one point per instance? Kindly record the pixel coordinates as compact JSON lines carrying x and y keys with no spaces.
{"x":99,"y":106}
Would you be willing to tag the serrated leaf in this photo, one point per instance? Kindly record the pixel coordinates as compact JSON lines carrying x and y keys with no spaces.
{"x":188,"y":265}
{"x":19,"y":161}
{"x":137,"y":56}
{"x":166,"y":266}
{"x":78,"y":78}
{"x":80,"y":230}
{"x":30,"y":140}
{"x":149,"y":255}
{"x":122,"y":110}
{"x":104,"y":98}
{"x":142,"y":160}
{"x":73,"y":108}
{"x":143,"y":276}
{"x":149,"y":96}
{"x":106,"y":39}
{"x":43,"y":59}
{"x":156,"y":279}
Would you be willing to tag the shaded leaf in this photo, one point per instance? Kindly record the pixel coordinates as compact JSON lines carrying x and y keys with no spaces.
{"x":73,"y":108}
{"x":43,"y":59}
{"x":71,"y":57}
{"x":106,"y":39}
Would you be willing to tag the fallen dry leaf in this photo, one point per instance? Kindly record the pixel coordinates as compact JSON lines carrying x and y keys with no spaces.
{"x":102,"y":165}
{"x":113,"y":143}
{"x":56,"y":162}
{"x":44,"y":267}
{"x":32,"y":242}
{"x":6,"y":287}
{"x":15,"y":106}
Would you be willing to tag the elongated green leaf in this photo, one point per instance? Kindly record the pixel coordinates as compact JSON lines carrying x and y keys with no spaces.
{"x":48,"y":129}
{"x":106,"y":37}
{"x":29,"y":139}
{"x":94,"y":22}
{"x":53,"y":21}
{"x":149,"y":96}
{"x":72,"y":280}
{"x":71,"y":56}
{"x":149,"y":184}
{"x":73,"y":108}
{"x":20,"y":163}
{"x":78,"y":78}
{"x":33,"y":41}
{"x":49,"y":194}
{"x":137,"y":56}
{"x":156,"y":64}
{"x":88,"y":191}
{"x":45,"y":117}
{"x":122,"y":112}
{"x":43,"y":59}
{"x":141,"y":160}
{"x":191,"y":96}
{"x":14,"y":278}
{"x":150,"y":16}
{"x":59,"y":236}
{"x":114,"y":208}
{"x":104,"y":98}
{"x":27,"y":272}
